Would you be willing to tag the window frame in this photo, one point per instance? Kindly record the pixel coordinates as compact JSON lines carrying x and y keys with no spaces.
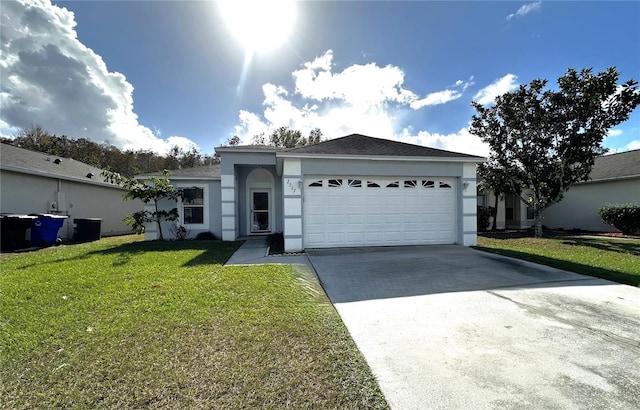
{"x":205,"y":206}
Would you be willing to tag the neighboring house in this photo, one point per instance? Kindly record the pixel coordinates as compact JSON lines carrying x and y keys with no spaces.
{"x":34,"y":182}
{"x":614,"y":179}
{"x":345,"y":192}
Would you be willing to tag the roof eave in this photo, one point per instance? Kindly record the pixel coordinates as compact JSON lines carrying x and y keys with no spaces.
{"x":57,"y":176}
{"x":248,"y":150}
{"x":380,"y":157}
{"x":620,"y":178}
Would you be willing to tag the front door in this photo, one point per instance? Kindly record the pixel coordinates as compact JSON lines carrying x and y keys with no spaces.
{"x":260,"y":213}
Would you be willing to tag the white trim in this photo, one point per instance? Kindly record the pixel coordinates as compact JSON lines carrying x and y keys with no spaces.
{"x":474,"y":160}
{"x":205,"y":207}
{"x":258,"y":186}
{"x":269,"y":211}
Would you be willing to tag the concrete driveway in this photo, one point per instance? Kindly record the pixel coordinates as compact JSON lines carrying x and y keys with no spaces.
{"x":452,"y":327}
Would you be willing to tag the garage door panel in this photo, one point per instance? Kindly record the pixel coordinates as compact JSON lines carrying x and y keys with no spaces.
{"x":414,"y":212}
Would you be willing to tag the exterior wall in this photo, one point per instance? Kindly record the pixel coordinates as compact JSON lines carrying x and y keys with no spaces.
{"x":580,"y":205}
{"x":312,"y":166}
{"x":242,"y":205}
{"x":292,"y":186}
{"x":468,"y":226}
{"x":235,"y":166}
{"x":213,"y":212}
{"x":293,"y":195}
{"x":24,"y":194}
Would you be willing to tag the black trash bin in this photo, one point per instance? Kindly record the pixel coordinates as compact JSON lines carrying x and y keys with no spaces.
{"x":13,"y":229}
{"x":87,"y":229}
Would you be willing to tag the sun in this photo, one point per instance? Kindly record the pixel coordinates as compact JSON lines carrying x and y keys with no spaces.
{"x":261,"y":26}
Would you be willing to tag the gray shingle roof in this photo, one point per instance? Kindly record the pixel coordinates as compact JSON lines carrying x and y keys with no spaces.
{"x":624,"y":164}
{"x":356,"y":144}
{"x":23,"y":160}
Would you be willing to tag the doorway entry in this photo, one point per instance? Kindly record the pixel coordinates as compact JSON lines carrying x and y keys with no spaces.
{"x":260,"y":219}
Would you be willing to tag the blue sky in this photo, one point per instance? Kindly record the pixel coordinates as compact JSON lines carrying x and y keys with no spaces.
{"x":149,"y":74}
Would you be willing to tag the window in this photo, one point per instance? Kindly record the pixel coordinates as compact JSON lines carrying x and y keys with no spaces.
{"x":530,"y":213}
{"x":335,"y":183}
{"x":355,"y":183}
{"x":371,"y":184}
{"x":444,"y":185}
{"x":395,"y":184}
{"x":317,"y":183}
{"x":482,"y":201}
{"x":192,"y":206}
{"x":410,"y":183}
{"x":426,"y":183}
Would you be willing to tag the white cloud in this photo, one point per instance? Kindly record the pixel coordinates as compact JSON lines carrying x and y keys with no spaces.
{"x":50,"y":78}
{"x":488,"y":94}
{"x":439,"y":97}
{"x":614,"y":133}
{"x":634,"y":144}
{"x":461,"y":141}
{"x":365,"y":99}
{"x":525,"y":9}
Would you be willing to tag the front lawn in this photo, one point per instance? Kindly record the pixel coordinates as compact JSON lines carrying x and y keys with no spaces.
{"x":121,"y":323}
{"x":613,"y":259}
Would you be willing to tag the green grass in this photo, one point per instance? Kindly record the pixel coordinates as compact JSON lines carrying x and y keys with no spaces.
{"x":122,"y":323}
{"x":613,"y":259}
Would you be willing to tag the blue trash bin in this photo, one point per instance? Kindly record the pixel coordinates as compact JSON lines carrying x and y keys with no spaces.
{"x":44,"y":230}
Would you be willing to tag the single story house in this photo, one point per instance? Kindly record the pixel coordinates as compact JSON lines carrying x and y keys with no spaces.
{"x":346,"y":192}
{"x":34,"y":182}
{"x":614,"y":179}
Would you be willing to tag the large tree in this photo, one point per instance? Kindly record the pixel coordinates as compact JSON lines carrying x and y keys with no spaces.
{"x":547,"y":140}
{"x":288,"y":138}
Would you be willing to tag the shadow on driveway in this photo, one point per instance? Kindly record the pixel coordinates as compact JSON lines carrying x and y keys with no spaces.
{"x":356,"y":274}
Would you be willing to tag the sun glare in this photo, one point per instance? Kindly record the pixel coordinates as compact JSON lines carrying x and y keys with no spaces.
{"x":260,"y":26}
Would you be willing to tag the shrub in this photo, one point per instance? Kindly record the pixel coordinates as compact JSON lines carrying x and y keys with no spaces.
{"x":275,"y":242}
{"x":206,"y":236}
{"x":624,"y":217}
{"x":484,"y":217}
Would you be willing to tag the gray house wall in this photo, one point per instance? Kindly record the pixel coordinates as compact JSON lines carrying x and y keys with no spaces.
{"x":233,"y":173}
{"x":242,"y":172}
{"x":25,"y":193}
{"x":213,"y":200}
{"x":313,"y":166}
{"x":580,"y":205}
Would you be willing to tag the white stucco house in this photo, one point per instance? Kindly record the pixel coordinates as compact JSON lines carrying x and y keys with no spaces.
{"x":34,"y":182}
{"x":614,"y":179}
{"x":346,"y":192}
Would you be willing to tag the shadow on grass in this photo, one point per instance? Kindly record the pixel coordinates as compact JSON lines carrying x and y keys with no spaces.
{"x":215,"y":252}
{"x":603,"y":273}
{"x":611,"y":245}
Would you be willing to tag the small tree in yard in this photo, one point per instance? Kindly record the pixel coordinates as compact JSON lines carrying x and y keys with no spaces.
{"x":154,"y":190}
{"x":546,"y":141}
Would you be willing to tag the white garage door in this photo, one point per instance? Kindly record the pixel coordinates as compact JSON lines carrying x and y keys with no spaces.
{"x":369,"y":211}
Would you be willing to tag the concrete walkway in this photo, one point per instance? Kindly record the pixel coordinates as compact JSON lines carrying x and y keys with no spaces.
{"x":254,"y":251}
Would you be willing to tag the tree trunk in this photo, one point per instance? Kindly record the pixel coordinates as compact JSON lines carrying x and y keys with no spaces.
{"x":159,"y":222}
{"x":495,"y":213}
{"x":538,"y":223}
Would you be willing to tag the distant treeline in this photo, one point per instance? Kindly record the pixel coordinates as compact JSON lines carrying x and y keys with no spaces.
{"x":128,"y":163}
